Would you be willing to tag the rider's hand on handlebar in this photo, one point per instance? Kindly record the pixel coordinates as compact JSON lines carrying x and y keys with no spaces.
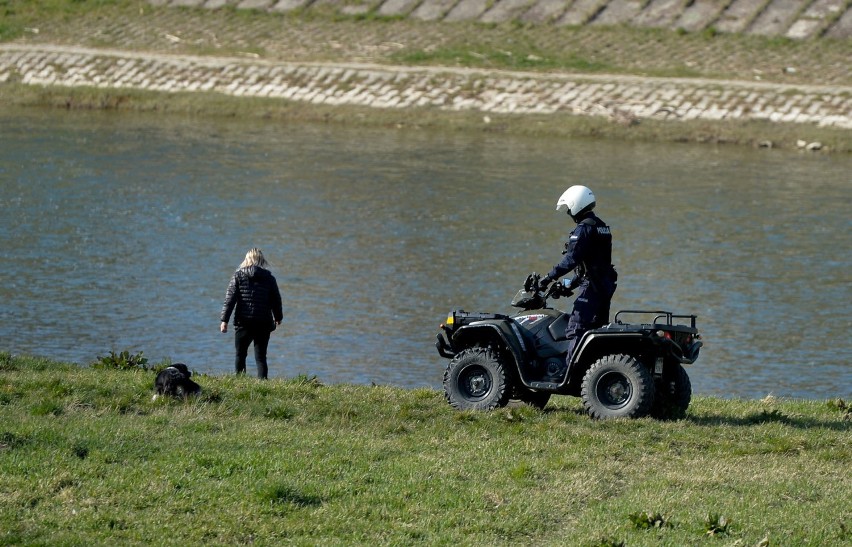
{"x":543,"y":283}
{"x":531,"y":282}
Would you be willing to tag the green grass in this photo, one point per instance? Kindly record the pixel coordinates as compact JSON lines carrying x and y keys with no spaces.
{"x":18,"y":15}
{"x":89,"y":458}
{"x":512,"y":57}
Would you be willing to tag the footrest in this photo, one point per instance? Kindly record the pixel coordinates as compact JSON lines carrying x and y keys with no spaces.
{"x":550,"y":386}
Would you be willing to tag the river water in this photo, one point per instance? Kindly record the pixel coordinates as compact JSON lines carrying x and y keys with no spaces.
{"x":120,"y":231}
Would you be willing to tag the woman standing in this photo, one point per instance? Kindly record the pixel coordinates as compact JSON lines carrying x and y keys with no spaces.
{"x":254,"y":299}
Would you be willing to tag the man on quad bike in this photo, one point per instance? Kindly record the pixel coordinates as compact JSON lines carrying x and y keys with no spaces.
{"x":620,"y":369}
{"x":589,"y":253}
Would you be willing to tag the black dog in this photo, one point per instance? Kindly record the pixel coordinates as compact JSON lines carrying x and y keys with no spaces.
{"x":174,"y":380}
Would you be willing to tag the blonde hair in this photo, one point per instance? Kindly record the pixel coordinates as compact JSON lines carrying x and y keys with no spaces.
{"x":254,"y":258}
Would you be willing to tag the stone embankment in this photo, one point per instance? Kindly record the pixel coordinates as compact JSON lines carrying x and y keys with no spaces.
{"x":797,"y":19}
{"x":624,"y":99}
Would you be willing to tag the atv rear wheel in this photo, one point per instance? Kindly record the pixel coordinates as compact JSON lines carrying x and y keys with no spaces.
{"x":673,"y":393}
{"x":617,"y":386}
{"x":475,"y":379}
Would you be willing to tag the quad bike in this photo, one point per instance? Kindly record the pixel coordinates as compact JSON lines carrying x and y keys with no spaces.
{"x":618,"y":370}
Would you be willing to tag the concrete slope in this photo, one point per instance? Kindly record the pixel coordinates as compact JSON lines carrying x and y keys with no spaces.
{"x":624,"y":99}
{"x":796,"y":19}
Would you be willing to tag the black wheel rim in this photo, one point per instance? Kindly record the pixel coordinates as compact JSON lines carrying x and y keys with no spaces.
{"x":614,"y":390}
{"x":475,"y":383}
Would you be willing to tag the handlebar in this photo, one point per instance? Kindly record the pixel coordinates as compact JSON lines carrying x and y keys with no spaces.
{"x":558,"y":290}
{"x":533,"y":296}
{"x":554,"y":290}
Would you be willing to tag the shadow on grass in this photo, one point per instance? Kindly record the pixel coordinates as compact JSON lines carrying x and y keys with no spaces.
{"x":769,"y":416}
{"x":285,"y":496}
{"x":842,"y":423}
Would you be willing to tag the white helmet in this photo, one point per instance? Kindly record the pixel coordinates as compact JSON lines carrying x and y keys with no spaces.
{"x":578,"y":199}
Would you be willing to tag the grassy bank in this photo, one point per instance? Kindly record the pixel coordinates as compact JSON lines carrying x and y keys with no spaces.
{"x":89,"y":458}
{"x":559,"y":125}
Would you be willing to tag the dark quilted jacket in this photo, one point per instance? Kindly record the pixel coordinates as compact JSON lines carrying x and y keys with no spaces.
{"x":253,"y":298}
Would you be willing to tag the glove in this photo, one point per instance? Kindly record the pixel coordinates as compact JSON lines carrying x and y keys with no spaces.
{"x":544,"y":282}
{"x":530,"y":283}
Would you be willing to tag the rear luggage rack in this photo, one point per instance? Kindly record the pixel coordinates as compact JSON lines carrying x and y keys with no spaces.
{"x":658,"y":315}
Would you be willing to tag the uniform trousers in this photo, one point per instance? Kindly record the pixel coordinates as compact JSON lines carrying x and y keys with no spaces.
{"x":591,"y":310}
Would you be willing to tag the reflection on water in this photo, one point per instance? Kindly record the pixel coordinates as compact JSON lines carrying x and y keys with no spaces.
{"x":121,"y":232}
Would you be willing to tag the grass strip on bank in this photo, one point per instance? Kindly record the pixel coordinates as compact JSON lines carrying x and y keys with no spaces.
{"x":89,"y":458}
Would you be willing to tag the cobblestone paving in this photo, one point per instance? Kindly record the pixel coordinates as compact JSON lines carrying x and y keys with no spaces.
{"x":796,"y":19}
{"x":623,"y":98}
{"x":298,"y":37}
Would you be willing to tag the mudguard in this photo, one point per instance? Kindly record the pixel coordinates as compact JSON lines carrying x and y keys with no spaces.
{"x":592,"y":345}
{"x":503,"y":331}
{"x":598,"y":342}
{"x":594,"y":339}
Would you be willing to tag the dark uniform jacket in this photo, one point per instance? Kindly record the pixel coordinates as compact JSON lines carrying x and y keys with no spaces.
{"x":254,"y":299}
{"x":589,"y":251}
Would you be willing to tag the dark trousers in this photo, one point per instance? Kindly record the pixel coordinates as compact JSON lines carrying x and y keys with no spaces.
{"x":244,"y":336}
{"x":591,"y":310}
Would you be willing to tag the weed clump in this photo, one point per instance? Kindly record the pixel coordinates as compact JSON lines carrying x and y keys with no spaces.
{"x":644,"y":520}
{"x":716,"y":524}
{"x":122,"y":361}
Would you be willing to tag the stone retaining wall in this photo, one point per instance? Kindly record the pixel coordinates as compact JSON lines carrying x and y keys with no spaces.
{"x":797,"y":19}
{"x":623,"y":98}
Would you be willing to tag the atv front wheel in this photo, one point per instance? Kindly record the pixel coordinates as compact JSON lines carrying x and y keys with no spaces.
{"x":475,"y":379}
{"x":673,"y":393}
{"x":617,"y":386}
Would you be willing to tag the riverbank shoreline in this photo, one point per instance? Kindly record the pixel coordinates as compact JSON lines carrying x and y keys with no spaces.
{"x":610,"y":106}
{"x":589,"y":81}
{"x":758,"y":135}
